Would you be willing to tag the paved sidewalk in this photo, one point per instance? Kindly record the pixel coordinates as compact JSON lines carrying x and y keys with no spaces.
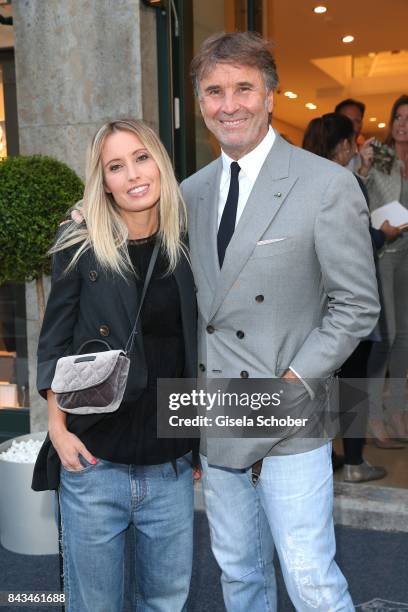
{"x":374,"y":563}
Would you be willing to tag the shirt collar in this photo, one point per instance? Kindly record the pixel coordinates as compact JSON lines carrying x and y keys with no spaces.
{"x":253,"y":161}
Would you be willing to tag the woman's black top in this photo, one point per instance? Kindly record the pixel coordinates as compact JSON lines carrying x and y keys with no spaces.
{"x":129,"y":435}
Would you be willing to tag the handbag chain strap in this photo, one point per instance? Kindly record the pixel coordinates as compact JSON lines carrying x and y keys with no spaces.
{"x":131,"y":340}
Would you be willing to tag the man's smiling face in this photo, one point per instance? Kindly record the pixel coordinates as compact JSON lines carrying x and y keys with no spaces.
{"x":235,"y":105}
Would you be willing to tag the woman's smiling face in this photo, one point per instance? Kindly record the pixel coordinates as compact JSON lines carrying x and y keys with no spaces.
{"x":130,"y":173}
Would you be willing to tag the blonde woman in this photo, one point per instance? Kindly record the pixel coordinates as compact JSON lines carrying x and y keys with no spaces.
{"x":111,"y":470}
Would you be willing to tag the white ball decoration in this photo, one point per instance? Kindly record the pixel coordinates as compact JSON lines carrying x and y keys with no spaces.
{"x":25,"y":451}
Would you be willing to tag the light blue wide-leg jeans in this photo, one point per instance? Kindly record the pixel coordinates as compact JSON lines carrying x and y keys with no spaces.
{"x":98,"y":504}
{"x":290,"y":509}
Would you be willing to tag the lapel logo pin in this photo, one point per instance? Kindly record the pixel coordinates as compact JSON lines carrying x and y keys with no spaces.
{"x":277,"y":195}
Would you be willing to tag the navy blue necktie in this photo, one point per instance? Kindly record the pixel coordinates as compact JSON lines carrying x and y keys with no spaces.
{"x":229,"y":215}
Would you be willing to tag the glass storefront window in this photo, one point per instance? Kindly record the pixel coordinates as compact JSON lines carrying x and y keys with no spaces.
{"x":13,"y":334}
{"x":209,"y":17}
{"x":3,"y":143}
{"x":13,"y":347}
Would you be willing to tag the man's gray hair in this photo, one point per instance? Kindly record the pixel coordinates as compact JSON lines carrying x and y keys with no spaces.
{"x":241,"y":48}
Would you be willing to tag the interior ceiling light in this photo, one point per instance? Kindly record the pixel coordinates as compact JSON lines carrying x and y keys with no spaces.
{"x":311,"y":106}
{"x":290,"y":94}
{"x":382,"y":125}
{"x":372,"y":119}
{"x":319,"y":9}
{"x":348,"y":39}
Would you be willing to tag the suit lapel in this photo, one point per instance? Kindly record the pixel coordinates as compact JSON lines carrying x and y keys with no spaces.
{"x":122,"y":291}
{"x":206,"y":228}
{"x":185,"y":282}
{"x":126,"y":300}
{"x":267,"y":196}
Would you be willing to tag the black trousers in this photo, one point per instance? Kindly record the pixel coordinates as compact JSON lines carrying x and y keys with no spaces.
{"x":354,"y":368}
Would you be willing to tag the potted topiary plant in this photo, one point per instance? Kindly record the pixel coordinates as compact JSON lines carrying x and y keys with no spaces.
{"x":35,"y":194}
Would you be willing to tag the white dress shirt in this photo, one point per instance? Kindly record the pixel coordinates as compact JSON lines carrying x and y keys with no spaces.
{"x":250,"y":165}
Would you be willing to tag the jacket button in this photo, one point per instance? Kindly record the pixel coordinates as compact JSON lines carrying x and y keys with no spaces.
{"x":210,"y":329}
{"x":93,"y":275}
{"x":104,"y":330}
{"x":244,"y":374}
{"x":259,"y":298}
{"x":240,"y":334}
{"x":201,"y":367}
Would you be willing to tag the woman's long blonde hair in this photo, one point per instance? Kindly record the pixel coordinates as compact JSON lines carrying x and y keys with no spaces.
{"x":104,"y":229}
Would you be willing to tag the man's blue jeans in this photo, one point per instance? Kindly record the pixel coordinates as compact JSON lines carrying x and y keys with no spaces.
{"x":289,"y":509}
{"x":98,"y":504}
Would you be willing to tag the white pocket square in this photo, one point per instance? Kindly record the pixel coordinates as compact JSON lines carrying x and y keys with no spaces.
{"x":262,"y":242}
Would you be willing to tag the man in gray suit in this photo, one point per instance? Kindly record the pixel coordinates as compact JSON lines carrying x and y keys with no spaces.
{"x":286,"y":288}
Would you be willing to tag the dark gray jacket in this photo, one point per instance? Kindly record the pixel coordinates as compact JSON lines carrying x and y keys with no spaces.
{"x":87,"y":304}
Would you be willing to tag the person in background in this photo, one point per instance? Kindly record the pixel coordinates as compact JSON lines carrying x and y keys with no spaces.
{"x":332,"y":136}
{"x":386,"y":179}
{"x":354,"y":110}
{"x":111,"y":471}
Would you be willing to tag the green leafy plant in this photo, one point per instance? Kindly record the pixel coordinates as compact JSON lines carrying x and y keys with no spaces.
{"x":35,"y":194}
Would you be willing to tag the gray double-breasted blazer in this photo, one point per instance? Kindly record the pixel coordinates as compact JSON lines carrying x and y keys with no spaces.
{"x":298,"y":280}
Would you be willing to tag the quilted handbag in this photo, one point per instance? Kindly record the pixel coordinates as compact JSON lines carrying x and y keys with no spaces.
{"x":95,"y":382}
